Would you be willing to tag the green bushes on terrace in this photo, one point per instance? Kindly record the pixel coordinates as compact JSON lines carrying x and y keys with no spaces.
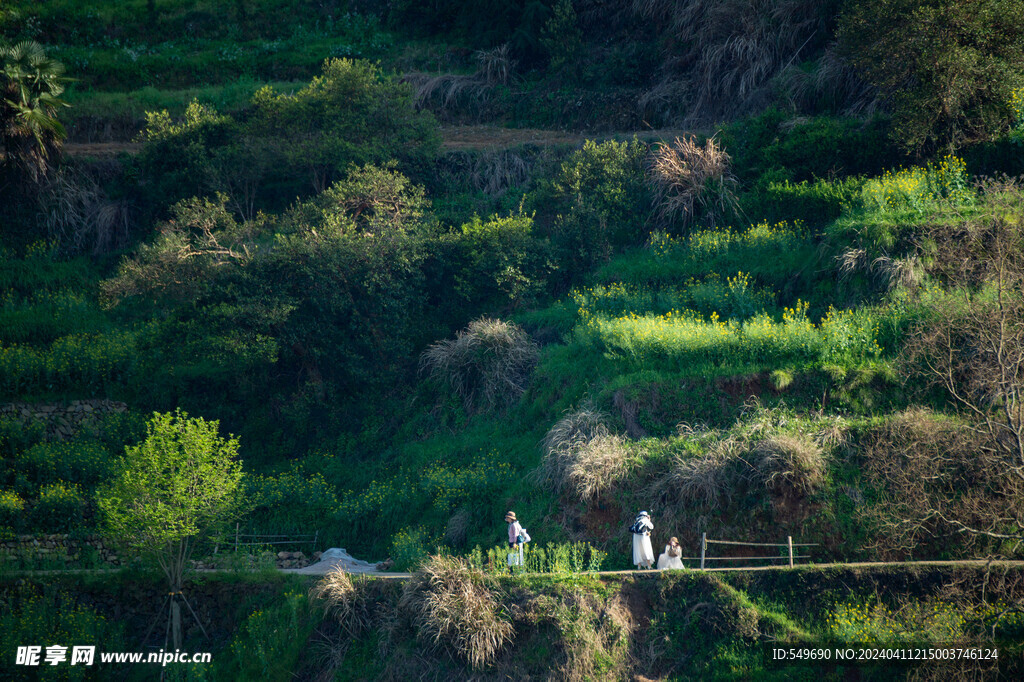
{"x":686,"y":342}
{"x":771,"y":254}
{"x":285,"y":145}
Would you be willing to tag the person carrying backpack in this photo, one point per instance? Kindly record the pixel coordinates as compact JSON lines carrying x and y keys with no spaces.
{"x":643,"y":553}
{"x":517,"y":538}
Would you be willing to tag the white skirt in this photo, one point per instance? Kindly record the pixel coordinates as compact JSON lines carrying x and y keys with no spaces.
{"x":643,"y":553}
{"x":669,"y":562}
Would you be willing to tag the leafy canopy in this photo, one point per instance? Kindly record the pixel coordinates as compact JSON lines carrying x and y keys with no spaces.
{"x":946,"y":67}
{"x":181,"y":482}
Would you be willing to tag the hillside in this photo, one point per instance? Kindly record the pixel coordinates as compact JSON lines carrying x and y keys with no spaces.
{"x":742,"y":265}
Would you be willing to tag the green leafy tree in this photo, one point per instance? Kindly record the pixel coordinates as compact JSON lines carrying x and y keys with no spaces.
{"x":562,"y":38}
{"x":179,"y":485}
{"x":946,"y":68}
{"x":30,"y":87}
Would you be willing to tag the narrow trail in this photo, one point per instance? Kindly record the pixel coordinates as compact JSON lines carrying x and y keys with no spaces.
{"x":453,"y":138}
{"x":976,"y":563}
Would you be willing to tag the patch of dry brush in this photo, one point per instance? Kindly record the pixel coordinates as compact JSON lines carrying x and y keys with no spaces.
{"x":691,"y":180}
{"x":487,"y":364}
{"x":453,"y":610}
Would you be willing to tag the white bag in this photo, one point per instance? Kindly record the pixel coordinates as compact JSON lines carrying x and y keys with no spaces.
{"x":513,"y":559}
{"x":525,"y":536}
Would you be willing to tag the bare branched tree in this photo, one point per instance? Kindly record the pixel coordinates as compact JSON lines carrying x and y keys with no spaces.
{"x":971,"y":345}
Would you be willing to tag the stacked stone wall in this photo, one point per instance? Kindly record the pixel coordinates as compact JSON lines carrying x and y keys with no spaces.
{"x":61,"y":420}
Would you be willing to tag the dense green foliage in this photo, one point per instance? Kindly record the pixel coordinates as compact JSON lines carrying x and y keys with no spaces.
{"x":948,"y":68}
{"x":401,"y":325}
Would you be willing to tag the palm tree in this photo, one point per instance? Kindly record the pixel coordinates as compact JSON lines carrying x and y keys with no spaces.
{"x":30,"y":87}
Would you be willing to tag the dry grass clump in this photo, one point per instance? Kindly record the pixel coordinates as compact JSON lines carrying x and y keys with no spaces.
{"x":832,"y":83}
{"x":487,"y":364}
{"x":904,"y":272}
{"x":581,"y":457}
{"x":580,"y":425}
{"x":702,"y":481}
{"x":891,"y":273}
{"x":448,"y":93}
{"x":80,"y":217}
{"x":456,"y":531}
{"x":589,"y":469}
{"x":495,"y":65}
{"x":342,"y":600}
{"x":494,"y":172}
{"x":690,"y":180}
{"x":453,"y":610}
{"x":791,"y":464}
{"x":726,"y":53}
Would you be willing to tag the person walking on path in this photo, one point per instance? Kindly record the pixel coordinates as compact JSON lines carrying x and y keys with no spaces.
{"x":671,"y":558}
{"x":643,"y":553}
{"x":515,"y":536}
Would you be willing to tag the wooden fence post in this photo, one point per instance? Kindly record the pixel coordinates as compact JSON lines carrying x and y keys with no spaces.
{"x":236,"y":538}
{"x":789,"y":541}
{"x":703,"y":548}
{"x":315,"y":536}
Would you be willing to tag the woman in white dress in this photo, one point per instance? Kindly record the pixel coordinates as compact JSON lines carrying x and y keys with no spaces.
{"x":643,"y":553}
{"x":671,"y":558}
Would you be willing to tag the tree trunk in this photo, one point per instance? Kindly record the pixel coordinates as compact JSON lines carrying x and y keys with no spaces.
{"x":176,"y":621}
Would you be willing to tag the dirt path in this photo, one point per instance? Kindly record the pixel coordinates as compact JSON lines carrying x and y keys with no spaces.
{"x":978,"y":563}
{"x":453,"y":138}
{"x":101,"y":148}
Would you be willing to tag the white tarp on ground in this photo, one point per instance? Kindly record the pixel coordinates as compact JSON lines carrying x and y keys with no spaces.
{"x":336,"y":557}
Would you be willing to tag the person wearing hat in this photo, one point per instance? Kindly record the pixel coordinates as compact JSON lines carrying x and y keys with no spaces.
{"x":515,"y":531}
{"x":671,"y":558}
{"x":643,"y":553}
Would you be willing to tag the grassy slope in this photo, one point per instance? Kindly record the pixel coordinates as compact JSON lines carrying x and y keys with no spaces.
{"x":684,"y":626}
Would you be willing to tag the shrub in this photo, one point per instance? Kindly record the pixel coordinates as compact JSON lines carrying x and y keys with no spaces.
{"x":269,"y":643}
{"x":78,"y":461}
{"x":12,"y":511}
{"x":918,"y":188}
{"x":409,"y":549}
{"x":692,"y":182}
{"x":374,"y":201}
{"x":59,"y":509}
{"x":791,"y":464}
{"x":288,"y":143}
{"x":494,"y":264}
{"x":453,"y":609}
{"x":947,"y":68}
{"x":191,"y":251}
{"x":487,"y":364}
{"x":28,"y":615}
{"x":601,"y":201}
{"x":343,"y":601}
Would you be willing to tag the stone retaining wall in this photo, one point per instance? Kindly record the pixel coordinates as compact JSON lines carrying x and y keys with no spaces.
{"x":57,"y":545}
{"x":62,"y":420}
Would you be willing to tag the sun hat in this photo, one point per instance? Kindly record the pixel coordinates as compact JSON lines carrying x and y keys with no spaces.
{"x":511,"y":515}
{"x":673,"y":541}
{"x":643,"y":513}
